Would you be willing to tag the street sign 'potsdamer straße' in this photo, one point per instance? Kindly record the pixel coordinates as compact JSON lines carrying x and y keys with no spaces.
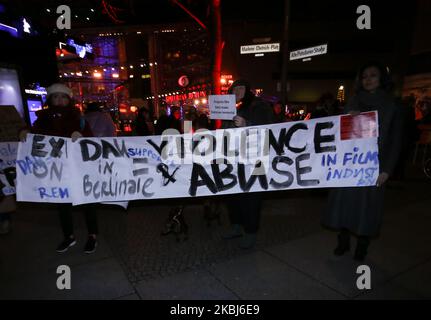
{"x":309,"y":52}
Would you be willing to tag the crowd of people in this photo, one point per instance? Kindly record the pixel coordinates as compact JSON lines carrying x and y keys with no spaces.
{"x":350,"y":211}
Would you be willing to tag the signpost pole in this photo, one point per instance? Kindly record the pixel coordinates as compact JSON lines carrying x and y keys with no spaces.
{"x":285,"y":52}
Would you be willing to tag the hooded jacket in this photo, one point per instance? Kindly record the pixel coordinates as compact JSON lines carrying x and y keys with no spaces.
{"x":253,"y":109}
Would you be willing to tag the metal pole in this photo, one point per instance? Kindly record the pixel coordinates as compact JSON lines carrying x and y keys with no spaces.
{"x":285,"y":52}
{"x":154,"y":73}
{"x":218,"y":47}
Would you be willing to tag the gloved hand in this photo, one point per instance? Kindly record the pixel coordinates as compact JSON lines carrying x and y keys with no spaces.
{"x":239,"y":121}
{"x":76,"y":135}
{"x":382,"y":178}
{"x":23,"y":135}
{"x":354,"y":112}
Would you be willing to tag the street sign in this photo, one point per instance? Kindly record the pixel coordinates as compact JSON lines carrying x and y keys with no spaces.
{"x":260,"y":48}
{"x":309,"y":52}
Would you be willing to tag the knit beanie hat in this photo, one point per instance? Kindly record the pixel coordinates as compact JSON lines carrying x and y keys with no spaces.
{"x":59,"y":88}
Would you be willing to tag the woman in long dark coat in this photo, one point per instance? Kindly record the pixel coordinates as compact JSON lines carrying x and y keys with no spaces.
{"x":359,"y":210}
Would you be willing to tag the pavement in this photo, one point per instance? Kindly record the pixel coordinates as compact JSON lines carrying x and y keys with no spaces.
{"x":292,"y":260}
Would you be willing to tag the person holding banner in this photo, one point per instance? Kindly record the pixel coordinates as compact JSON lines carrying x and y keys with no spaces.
{"x":244,"y":210}
{"x":63,"y":119}
{"x":7,"y":187}
{"x":100,"y":122}
{"x":356,"y":210}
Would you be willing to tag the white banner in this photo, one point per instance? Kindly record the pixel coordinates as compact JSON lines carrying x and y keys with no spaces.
{"x":8,"y":152}
{"x":336,"y":151}
{"x":44,"y":170}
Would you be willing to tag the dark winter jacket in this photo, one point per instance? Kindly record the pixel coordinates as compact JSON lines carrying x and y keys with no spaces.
{"x":61,"y":122}
{"x":390,"y":124}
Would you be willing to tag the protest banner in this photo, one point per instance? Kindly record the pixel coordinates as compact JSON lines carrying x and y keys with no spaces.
{"x":43,"y":170}
{"x":8,"y":152}
{"x":339,"y":151}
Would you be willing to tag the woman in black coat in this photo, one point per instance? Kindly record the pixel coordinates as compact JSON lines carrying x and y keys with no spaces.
{"x":359,"y":210}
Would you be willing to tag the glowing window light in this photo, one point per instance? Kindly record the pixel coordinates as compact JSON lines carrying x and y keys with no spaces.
{"x":115,"y":75}
{"x":97,"y":75}
{"x":340,"y":93}
{"x":26,"y":26}
{"x":39,"y":92}
{"x":13,"y":31}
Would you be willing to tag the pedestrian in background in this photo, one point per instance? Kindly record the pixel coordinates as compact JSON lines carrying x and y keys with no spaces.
{"x":143,"y":123}
{"x":279,"y":112}
{"x":100,"y":122}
